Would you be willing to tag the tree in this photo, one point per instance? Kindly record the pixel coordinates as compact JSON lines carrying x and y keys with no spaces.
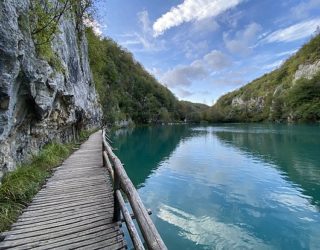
{"x":45,"y":16}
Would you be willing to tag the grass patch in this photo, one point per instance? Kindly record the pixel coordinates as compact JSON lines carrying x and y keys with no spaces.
{"x":20,"y":186}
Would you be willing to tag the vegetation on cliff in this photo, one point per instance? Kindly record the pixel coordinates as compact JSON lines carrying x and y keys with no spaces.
{"x":43,"y":22}
{"x":276,"y":96}
{"x":127,"y":91}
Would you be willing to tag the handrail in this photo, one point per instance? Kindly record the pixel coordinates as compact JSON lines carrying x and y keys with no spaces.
{"x":122,"y":182}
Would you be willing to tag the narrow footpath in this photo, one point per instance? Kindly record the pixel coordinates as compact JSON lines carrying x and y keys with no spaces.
{"x":73,"y":210}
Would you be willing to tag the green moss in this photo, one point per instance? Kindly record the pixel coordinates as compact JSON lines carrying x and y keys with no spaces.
{"x":23,"y":22}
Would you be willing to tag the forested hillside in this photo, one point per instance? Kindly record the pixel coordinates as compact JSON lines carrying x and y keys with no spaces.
{"x":127,"y":91}
{"x":290,"y":93}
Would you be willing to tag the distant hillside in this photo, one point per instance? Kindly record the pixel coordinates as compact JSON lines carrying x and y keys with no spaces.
{"x":191,"y":112}
{"x":128,"y":92}
{"x":290,"y":93}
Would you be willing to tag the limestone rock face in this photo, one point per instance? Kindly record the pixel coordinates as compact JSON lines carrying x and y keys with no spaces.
{"x":38,"y":102}
{"x":307,"y":71}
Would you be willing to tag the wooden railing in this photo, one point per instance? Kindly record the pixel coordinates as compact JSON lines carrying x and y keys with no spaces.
{"x":121,"y":182}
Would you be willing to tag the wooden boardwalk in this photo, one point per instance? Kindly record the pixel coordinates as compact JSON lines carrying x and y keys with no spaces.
{"x":74,"y":210}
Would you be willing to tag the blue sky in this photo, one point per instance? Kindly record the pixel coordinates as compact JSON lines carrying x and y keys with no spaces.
{"x":201,"y":49}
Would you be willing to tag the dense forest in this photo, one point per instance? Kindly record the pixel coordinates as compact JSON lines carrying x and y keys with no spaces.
{"x":128,"y":92}
{"x":277,"y":96}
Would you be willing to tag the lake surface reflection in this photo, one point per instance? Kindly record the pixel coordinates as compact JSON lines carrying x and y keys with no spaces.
{"x":234,"y":186}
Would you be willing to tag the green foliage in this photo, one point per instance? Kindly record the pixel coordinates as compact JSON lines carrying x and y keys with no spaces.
{"x":19,"y":187}
{"x":303,"y":99}
{"x":275,"y":96}
{"x":191,"y":112}
{"x":126,"y":90}
{"x":44,"y":18}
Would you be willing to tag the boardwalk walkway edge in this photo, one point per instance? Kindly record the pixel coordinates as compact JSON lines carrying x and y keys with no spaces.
{"x":75,"y":208}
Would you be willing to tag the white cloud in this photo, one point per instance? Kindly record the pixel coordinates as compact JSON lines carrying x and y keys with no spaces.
{"x":208,"y":231}
{"x":303,"y":9}
{"x":217,"y":60}
{"x":204,"y":26}
{"x":274,"y":65}
{"x":243,"y":39}
{"x":184,"y":75}
{"x":294,"y":32}
{"x":157,"y":72}
{"x":194,"y":50}
{"x":287,"y":53}
{"x":143,"y":18}
{"x":197,"y":70}
{"x":191,"y":10}
{"x":94,"y":24}
{"x":184,"y":93}
{"x":232,"y":18}
{"x":143,"y":40}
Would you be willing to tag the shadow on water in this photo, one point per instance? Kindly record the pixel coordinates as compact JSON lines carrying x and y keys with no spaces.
{"x":142,"y":149}
{"x":293,"y":149}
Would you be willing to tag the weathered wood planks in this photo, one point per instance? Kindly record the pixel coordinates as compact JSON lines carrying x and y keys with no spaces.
{"x":74,"y":210}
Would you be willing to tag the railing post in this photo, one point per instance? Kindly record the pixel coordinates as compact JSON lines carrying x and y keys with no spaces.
{"x":103,"y":150}
{"x":116,"y":186}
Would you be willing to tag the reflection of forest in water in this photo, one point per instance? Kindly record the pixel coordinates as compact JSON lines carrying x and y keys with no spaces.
{"x":294,"y":149}
{"x":142,"y":149}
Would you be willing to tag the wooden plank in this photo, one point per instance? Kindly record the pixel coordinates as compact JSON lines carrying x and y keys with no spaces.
{"x":38,"y":216}
{"x":53,"y":217}
{"x":102,"y":245}
{"x":53,"y":191}
{"x":98,"y":175}
{"x":115,"y":238}
{"x":58,"y":224}
{"x":71,"y":207}
{"x":69,"y":196}
{"x":48,"y":223}
{"x":60,"y":202}
{"x":67,"y":186}
{"x":74,"y":237}
{"x":71,"y":241}
{"x":29,"y":234}
{"x":78,"y":177}
{"x":58,"y":236}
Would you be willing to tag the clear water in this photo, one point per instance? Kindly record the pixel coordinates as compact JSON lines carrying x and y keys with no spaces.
{"x":234,"y":186}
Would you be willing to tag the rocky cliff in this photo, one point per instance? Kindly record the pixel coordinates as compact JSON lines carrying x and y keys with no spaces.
{"x":290,"y":93}
{"x":40,"y":102}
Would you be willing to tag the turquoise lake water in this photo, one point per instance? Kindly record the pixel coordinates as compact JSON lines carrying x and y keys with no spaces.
{"x":234,"y":186}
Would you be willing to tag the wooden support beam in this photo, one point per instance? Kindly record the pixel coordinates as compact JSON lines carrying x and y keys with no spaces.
{"x":108,"y":164}
{"x":134,"y":217}
{"x":116,"y":187}
{"x":130,"y":225}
